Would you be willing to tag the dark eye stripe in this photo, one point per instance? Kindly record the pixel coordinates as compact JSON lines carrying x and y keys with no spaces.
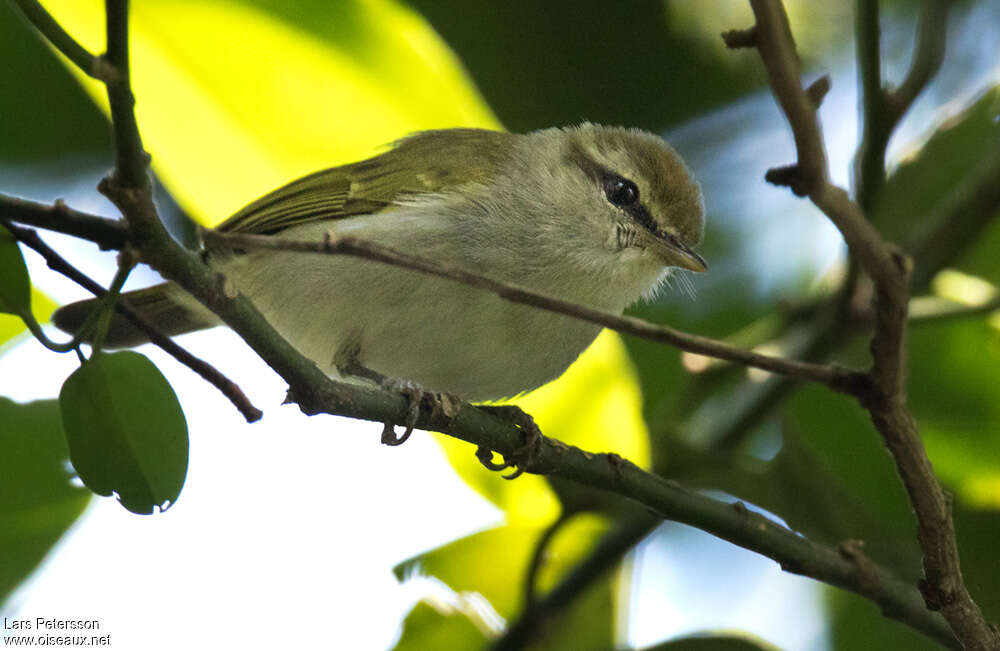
{"x":637,"y":211}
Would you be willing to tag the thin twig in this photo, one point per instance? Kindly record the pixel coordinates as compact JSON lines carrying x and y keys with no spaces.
{"x":605,"y":555}
{"x":833,"y":376}
{"x":877,"y":125}
{"x":883,"y":109}
{"x":538,"y":557}
{"x":208,"y":372}
{"x":928,"y":55}
{"x":106,"y":233}
{"x":942,"y":587}
{"x":58,"y":37}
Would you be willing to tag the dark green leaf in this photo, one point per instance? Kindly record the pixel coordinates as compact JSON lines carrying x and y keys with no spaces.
{"x":126,"y":431}
{"x":68,"y":125}
{"x":957,"y":153}
{"x":715,"y":642}
{"x":37,"y":501}
{"x":15,"y":288}
{"x":856,"y":492}
{"x":953,"y":394}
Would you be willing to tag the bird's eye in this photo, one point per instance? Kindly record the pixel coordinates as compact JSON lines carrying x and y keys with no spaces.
{"x":621,"y":192}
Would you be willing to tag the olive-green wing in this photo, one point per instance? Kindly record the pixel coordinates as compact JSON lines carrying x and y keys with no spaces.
{"x":427,"y":162}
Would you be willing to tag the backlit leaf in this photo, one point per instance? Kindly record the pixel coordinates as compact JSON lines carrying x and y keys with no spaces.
{"x":126,"y":431}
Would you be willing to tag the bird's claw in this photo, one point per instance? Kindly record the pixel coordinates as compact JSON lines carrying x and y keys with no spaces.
{"x":524,"y":456}
{"x":414,"y":396}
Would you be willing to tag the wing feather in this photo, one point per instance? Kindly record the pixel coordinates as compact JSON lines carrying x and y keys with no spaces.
{"x":426,"y":162}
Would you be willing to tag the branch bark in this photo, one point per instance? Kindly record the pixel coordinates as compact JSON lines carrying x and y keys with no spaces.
{"x":836,"y":377}
{"x":208,"y":372}
{"x":942,"y":587}
{"x":128,"y":187}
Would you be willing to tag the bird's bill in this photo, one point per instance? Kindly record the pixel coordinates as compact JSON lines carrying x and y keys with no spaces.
{"x":676,"y":254}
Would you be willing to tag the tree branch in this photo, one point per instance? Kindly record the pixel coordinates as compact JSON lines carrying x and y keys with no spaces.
{"x":208,"y":372}
{"x":106,"y":233}
{"x":43,"y":21}
{"x":131,"y":161}
{"x":928,"y":54}
{"x":836,"y":377}
{"x":882,"y":108}
{"x":943,"y":587}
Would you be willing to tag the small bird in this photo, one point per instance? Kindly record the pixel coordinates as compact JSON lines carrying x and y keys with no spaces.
{"x":590,"y":214}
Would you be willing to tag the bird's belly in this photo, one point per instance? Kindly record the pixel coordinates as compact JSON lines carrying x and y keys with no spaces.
{"x":441,"y":335}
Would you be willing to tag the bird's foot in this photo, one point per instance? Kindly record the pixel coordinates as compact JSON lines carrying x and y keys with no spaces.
{"x":414,"y":395}
{"x":440,"y":404}
{"x":524,"y":456}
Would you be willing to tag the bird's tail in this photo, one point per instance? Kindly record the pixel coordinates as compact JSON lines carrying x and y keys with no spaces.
{"x":166,"y":306}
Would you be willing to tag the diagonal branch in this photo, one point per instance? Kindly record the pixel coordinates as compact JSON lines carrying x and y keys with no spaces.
{"x":943,"y":587}
{"x":208,"y":372}
{"x":836,"y":377}
{"x":60,"y":39}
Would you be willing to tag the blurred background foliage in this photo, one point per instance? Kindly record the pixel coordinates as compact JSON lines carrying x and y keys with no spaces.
{"x":236,"y":97}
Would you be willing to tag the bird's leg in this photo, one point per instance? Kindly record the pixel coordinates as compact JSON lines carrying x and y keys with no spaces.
{"x":440,"y":403}
{"x":522,"y":457}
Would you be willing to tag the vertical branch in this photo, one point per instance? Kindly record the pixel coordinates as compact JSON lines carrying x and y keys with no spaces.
{"x":943,"y":587}
{"x":869,"y":164}
{"x":131,"y":160}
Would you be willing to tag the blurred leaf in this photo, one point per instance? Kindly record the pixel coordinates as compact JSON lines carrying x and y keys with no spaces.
{"x":69,"y":125}
{"x":956,"y":400}
{"x":856,"y":623}
{"x":588,"y":625}
{"x":859,"y":494}
{"x":977,"y":531}
{"x":10,"y":326}
{"x":225,"y":124}
{"x":506,"y":551}
{"x":15,"y":288}
{"x":595,"y":404}
{"x":715,"y":642}
{"x":438,"y":627}
{"x":37,"y":501}
{"x":958,"y":149}
{"x":126,"y":430}
{"x":558,"y":62}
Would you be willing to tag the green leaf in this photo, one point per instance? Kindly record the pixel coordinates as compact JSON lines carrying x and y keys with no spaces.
{"x":959,"y":150}
{"x":38,"y":503}
{"x":15,"y":288}
{"x":10,"y":326}
{"x":953,"y":395}
{"x":715,"y":642}
{"x":838,"y":482}
{"x":126,"y":431}
{"x":493,"y":564}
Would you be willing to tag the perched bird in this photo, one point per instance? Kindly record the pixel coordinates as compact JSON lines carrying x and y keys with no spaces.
{"x":589,"y":214}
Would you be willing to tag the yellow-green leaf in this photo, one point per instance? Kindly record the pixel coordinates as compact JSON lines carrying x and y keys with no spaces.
{"x":15,"y":288}
{"x":596,"y":404}
{"x":233,"y":101}
{"x":11,"y":326}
